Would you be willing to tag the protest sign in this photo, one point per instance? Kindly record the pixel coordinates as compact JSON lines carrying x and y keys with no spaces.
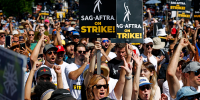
{"x":97,"y":18}
{"x":156,"y":27}
{"x":12,"y":71}
{"x":45,"y":10}
{"x":61,"y":14}
{"x":129,"y":22}
{"x":184,"y":14}
{"x":177,"y":5}
{"x":196,"y":12}
{"x":1,"y":12}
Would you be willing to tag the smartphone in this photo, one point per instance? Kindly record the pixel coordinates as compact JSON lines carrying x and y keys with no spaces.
{"x":20,"y":38}
{"x":21,"y":31}
{"x":8,"y":41}
{"x":22,"y":45}
{"x":180,"y":33}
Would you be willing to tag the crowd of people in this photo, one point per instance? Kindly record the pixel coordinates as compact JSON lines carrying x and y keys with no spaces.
{"x":62,"y":65}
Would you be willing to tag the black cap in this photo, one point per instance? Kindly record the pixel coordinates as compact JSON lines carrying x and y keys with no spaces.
{"x":61,"y":94}
{"x":43,"y":71}
{"x":49,"y":46}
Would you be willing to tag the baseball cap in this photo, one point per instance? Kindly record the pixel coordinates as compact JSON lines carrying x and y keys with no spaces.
{"x":43,"y":71}
{"x":60,"y":48}
{"x":15,"y":32}
{"x":144,"y":81}
{"x":49,"y":46}
{"x":75,"y":33}
{"x":71,"y":29}
{"x":66,"y":19}
{"x":46,"y":20}
{"x":147,"y":40}
{"x":185,"y":92}
{"x":70,"y":43}
{"x":173,"y":31}
{"x":61,"y":94}
{"x":73,"y":22}
{"x":192,"y":66}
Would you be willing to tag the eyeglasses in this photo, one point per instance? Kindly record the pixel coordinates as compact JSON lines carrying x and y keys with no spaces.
{"x":42,"y":78}
{"x":15,"y":41}
{"x":50,"y":52}
{"x":31,"y":34}
{"x":147,"y":46}
{"x":82,"y":52}
{"x":104,"y":41}
{"x":145,"y":87}
{"x":3,"y":35}
{"x":99,"y":86}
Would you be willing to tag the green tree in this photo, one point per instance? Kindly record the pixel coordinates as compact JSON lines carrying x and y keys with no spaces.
{"x":16,"y":7}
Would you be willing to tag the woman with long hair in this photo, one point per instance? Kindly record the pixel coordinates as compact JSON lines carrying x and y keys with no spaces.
{"x":148,"y":71}
{"x":97,"y":88}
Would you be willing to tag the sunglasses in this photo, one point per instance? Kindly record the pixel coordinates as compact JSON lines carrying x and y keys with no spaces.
{"x":99,"y":86}
{"x":145,"y":87}
{"x":82,"y":52}
{"x":197,"y":72}
{"x":76,"y":37}
{"x":95,"y":72}
{"x":147,"y":46}
{"x":104,"y":41}
{"x":31,"y":34}
{"x":42,"y":78}
{"x":50,"y":52}
{"x":3,"y":35}
{"x":15,"y":41}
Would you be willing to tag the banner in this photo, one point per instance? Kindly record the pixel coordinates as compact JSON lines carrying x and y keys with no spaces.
{"x":97,"y":18}
{"x":177,"y":5}
{"x":1,"y":12}
{"x":196,"y":12}
{"x":45,"y":10}
{"x":60,"y":14}
{"x":156,"y":27}
{"x":12,"y":72}
{"x":129,"y":22}
{"x":184,"y":14}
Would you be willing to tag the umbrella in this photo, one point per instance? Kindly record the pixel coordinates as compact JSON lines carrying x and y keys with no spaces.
{"x":152,"y":2}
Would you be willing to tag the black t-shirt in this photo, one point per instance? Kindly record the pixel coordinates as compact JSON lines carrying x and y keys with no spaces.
{"x":114,"y":67}
{"x":70,"y":60}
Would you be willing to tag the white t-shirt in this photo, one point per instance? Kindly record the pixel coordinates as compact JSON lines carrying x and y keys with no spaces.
{"x":135,"y":48}
{"x":75,"y":85}
{"x":64,"y":79}
{"x":152,"y":60}
{"x":111,"y":55}
{"x":166,"y":89}
{"x":112,"y":82}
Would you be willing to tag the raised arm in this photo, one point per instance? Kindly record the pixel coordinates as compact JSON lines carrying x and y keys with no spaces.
{"x":128,"y":82}
{"x":103,"y":58}
{"x":27,"y":93}
{"x":173,"y":82}
{"x":135,"y":90}
{"x":92,"y":64}
{"x":35,"y":52}
{"x":59,"y":76}
{"x":75,"y":74}
{"x":195,"y":36}
{"x":58,"y":36}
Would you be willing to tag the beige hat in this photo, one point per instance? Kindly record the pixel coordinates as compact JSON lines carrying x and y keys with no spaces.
{"x":1,"y":32}
{"x":105,"y":71}
{"x":47,"y":94}
{"x":73,"y":22}
{"x":157,"y":44}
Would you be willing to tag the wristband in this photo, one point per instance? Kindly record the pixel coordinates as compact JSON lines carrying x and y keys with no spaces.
{"x":128,"y":77}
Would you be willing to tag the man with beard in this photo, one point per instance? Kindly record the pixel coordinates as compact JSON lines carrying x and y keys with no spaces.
{"x":62,"y":64}
{"x":147,"y":54}
{"x":107,"y":47}
{"x":49,"y":54}
{"x":74,"y":71}
{"x":116,"y":62}
{"x":69,"y":53}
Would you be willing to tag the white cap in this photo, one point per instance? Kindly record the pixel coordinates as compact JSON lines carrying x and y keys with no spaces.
{"x":70,"y":29}
{"x":15,"y":32}
{"x":147,"y":40}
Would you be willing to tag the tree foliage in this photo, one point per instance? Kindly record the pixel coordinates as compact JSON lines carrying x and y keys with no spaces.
{"x":16,"y":7}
